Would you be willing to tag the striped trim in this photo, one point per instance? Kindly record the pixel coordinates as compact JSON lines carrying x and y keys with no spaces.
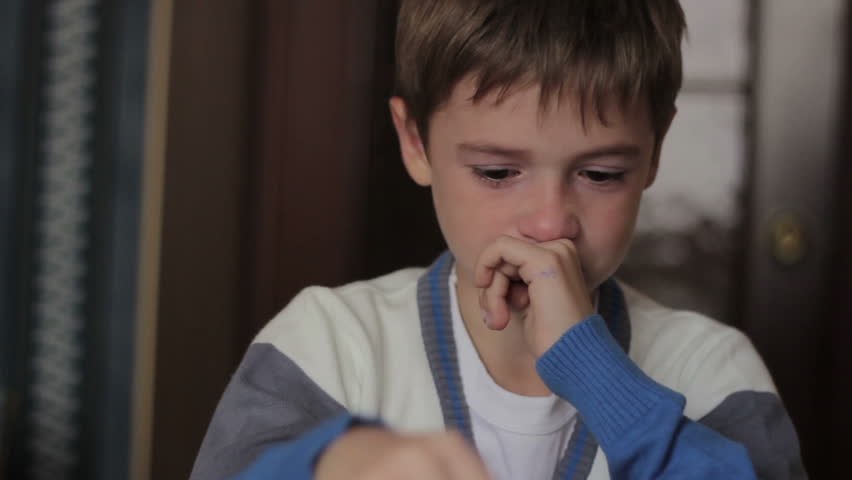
{"x":585,"y":447}
{"x":433,"y":300}
{"x":576,"y":463}
{"x":613,"y":309}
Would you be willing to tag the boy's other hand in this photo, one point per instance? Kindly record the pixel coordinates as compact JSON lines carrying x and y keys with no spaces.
{"x":378,"y":454}
{"x":544,"y":279}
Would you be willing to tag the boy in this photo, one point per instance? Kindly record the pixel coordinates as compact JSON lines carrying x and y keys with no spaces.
{"x":537,"y":124}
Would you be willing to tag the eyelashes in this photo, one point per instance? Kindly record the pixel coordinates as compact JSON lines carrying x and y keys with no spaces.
{"x":495,"y":177}
{"x":602,"y":177}
{"x":498,"y":177}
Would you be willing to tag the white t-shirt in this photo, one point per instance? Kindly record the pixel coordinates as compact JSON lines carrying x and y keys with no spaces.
{"x":518,"y":437}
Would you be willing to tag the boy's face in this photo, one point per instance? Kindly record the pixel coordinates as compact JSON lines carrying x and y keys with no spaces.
{"x":538,"y":175}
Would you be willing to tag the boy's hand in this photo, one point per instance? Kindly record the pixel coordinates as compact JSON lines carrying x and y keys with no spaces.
{"x":546,"y":277}
{"x":378,"y":454}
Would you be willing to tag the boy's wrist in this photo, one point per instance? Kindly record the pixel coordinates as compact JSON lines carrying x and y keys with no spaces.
{"x":588,"y":368}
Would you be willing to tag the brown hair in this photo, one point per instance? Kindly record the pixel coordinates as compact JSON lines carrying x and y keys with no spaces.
{"x":595,"y":48}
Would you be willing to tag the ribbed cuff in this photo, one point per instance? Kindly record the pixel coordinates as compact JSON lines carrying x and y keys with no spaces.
{"x":588,"y":368}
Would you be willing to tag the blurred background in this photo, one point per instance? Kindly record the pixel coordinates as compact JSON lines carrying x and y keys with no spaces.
{"x":171,"y":173}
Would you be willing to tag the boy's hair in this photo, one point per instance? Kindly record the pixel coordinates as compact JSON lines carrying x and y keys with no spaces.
{"x":595,"y":49}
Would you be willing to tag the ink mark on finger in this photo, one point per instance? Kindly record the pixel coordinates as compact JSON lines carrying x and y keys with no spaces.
{"x":547,"y":274}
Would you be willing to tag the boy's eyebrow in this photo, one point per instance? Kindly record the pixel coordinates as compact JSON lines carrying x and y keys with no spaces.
{"x":626,"y":150}
{"x":496,"y":150}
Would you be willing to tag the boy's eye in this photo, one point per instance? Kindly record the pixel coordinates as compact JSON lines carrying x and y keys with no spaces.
{"x":495,"y":175}
{"x":598,"y":176}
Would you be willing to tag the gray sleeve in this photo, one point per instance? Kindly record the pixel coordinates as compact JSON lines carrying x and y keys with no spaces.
{"x":758,"y":421}
{"x":268,"y":400}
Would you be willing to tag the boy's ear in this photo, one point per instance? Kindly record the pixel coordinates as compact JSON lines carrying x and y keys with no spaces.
{"x":410,"y":143}
{"x":658,"y":146}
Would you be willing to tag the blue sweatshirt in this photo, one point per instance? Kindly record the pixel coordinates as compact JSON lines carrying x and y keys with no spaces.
{"x":384,"y":349}
{"x":638,"y":422}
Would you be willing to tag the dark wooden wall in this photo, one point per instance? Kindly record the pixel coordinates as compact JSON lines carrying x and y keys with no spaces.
{"x":330,"y":202}
{"x":203,"y":209}
{"x":310,"y":180}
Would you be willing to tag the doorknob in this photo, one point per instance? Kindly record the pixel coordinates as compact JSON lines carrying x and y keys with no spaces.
{"x":789,"y":240}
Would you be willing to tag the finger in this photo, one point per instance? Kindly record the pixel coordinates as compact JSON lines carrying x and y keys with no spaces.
{"x":460,"y":459}
{"x":507,"y":254}
{"x":496,"y":302}
{"x":567,"y":252}
{"x":508,"y":269}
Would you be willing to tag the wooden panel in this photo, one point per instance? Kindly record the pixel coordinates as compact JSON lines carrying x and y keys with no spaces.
{"x":402,"y":230}
{"x":202,"y":223}
{"x":309,"y":183}
{"x":330,"y":202}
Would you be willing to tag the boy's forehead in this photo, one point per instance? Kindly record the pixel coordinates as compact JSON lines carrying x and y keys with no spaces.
{"x":524,"y":99}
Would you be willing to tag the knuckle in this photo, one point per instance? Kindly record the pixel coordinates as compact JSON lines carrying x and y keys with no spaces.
{"x":507,"y":269}
{"x":566,"y":246}
{"x":554,"y":258}
{"x":561,"y":251}
{"x":572,"y":247}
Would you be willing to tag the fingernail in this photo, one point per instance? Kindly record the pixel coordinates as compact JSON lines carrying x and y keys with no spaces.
{"x":485,"y":318}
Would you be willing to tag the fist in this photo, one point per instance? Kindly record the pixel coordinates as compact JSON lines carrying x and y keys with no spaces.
{"x":378,"y":454}
{"x":543,"y":281}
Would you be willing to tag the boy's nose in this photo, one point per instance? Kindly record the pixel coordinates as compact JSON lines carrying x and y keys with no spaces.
{"x":550,"y":218}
